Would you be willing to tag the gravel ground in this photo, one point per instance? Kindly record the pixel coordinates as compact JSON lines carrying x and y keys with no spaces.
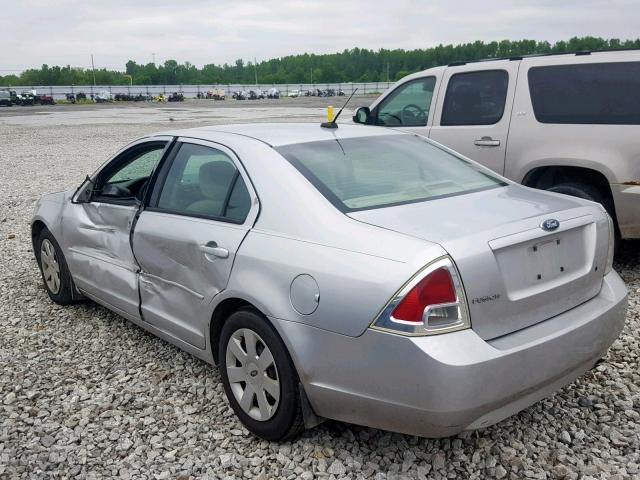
{"x":84,"y":393}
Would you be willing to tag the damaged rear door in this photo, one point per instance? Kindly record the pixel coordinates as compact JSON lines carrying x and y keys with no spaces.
{"x":97,"y":228}
{"x":185,"y":241}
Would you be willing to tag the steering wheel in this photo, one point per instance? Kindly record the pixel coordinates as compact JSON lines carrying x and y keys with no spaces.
{"x":412,"y":114}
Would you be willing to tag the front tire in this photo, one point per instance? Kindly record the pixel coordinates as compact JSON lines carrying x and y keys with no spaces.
{"x":53,"y":267}
{"x":259,"y":378}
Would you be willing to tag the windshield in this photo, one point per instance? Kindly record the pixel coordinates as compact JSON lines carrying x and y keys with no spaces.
{"x":373,"y":172}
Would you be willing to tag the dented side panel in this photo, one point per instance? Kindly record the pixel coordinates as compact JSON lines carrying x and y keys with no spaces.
{"x":179,"y":279}
{"x":97,"y":249}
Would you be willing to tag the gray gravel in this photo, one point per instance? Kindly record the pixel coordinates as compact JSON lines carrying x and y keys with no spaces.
{"x":85,"y":394}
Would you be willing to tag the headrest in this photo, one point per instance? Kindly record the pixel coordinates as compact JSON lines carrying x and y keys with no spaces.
{"x":215,"y":178}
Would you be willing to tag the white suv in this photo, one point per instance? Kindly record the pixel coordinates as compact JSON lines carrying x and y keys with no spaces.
{"x":568,"y":123}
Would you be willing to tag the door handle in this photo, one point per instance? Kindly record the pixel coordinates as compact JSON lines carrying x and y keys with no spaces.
{"x":212,"y":248}
{"x":487,"y":142}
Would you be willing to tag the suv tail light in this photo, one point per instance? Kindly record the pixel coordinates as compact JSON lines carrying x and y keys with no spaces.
{"x":431,"y":302}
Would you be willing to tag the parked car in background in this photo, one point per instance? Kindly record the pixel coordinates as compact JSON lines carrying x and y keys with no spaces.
{"x":256,"y":94}
{"x":176,"y":97}
{"x":103,"y":96}
{"x":392,"y":283}
{"x":5,"y":98}
{"x":273,"y":93}
{"x":294,"y":93}
{"x":45,"y":100}
{"x":567,"y":123}
{"x":216,"y":94}
{"x":26,"y":98}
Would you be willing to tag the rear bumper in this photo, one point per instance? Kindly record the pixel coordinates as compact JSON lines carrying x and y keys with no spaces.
{"x":627,"y":202}
{"x":438,"y":386}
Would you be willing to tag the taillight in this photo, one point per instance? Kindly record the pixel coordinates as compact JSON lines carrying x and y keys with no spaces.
{"x":431,"y":302}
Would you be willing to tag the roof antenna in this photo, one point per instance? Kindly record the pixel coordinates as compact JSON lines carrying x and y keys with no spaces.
{"x":332,"y":123}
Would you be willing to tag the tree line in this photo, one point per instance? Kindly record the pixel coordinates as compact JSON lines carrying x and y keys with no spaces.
{"x":351,"y":65}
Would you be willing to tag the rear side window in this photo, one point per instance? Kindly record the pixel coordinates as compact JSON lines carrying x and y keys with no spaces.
{"x":204,"y":182}
{"x":475,"y":98}
{"x":593,"y":93}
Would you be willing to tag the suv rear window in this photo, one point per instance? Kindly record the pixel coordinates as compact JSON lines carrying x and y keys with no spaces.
{"x":592,"y":93}
{"x":381,"y":171}
{"x":475,"y":98}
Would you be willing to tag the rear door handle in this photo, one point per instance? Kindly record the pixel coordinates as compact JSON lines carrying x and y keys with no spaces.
{"x":487,"y":142}
{"x":212,"y":248}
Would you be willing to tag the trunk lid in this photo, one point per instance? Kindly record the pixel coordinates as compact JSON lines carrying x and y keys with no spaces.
{"x":514,"y":272}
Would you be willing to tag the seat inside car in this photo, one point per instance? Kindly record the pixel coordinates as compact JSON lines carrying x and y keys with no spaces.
{"x":214,"y":180}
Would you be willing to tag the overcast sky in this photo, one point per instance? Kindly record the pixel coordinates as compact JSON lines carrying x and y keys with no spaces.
{"x":61,"y":32}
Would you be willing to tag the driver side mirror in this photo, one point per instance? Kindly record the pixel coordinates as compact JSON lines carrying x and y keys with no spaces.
{"x":362,"y":115}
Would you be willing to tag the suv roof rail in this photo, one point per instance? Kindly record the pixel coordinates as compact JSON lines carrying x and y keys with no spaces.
{"x":577,"y":53}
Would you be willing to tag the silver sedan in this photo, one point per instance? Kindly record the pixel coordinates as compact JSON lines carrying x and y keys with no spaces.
{"x":357,"y":273}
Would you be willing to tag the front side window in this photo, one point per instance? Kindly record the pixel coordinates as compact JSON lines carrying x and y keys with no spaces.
{"x":592,"y":93}
{"x":373,"y":172}
{"x":475,"y":98}
{"x":204,"y":181}
{"x":408,"y":105}
{"x":128,"y":176}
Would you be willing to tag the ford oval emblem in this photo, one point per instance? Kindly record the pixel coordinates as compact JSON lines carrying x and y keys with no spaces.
{"x":550,"y":224}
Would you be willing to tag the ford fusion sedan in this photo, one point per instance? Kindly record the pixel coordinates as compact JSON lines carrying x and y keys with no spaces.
{"x":355,"y":273}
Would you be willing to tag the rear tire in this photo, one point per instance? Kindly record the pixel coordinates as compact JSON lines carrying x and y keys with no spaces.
{"x":277,"y":414}
{"x":53,"y":267}
{"x":580,"y":190}
{"x":593,"y":193}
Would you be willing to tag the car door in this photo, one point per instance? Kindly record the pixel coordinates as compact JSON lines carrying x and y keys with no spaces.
{"x":474,"y":111}
{"x":97,"y":226}
{"x":408,"y":106}
{"x":185,"y":241}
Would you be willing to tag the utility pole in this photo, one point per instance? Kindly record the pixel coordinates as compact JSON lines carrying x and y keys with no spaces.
{"x":255,"y":69}
{"x":311,"y":69}
{"x":93,"y":69}
{"x":387,"y":72}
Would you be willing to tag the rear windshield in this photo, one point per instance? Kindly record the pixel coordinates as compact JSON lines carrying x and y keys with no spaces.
{"x":373,"y":172}
{"x":591,"y":93}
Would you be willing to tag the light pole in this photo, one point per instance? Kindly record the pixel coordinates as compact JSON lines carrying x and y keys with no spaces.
{"x":255,"y":69}
{"x":93,"y":70}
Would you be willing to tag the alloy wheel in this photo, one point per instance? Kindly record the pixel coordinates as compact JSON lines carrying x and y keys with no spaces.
{"x":252,"y":374}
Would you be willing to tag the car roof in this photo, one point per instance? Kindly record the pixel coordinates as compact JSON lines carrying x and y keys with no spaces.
{"x":278,"y":134}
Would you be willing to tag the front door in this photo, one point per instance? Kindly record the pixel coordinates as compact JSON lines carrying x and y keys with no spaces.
{"x":185,"y":241}
{"x":408,"y":106}
{"x":97,"y":230}
{"x":474,"y":111}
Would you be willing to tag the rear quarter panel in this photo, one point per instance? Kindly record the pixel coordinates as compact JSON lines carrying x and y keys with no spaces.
{"x":609,"y":149}
{"x":353,"y":286}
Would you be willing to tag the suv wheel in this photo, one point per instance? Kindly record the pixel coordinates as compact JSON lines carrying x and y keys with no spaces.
{"x":588,"y":192}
